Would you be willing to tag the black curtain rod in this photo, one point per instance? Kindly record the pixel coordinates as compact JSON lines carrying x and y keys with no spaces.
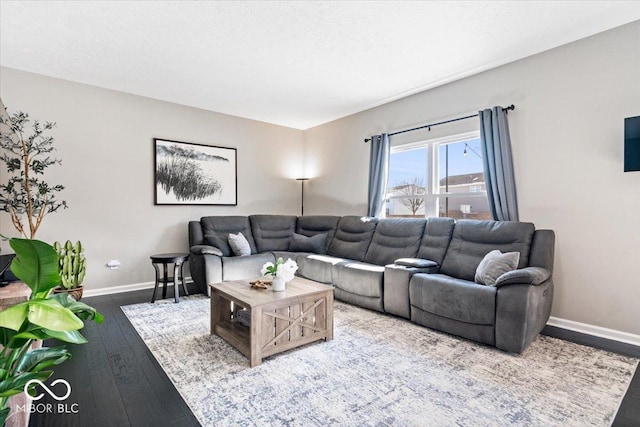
{"x":510,"y":107}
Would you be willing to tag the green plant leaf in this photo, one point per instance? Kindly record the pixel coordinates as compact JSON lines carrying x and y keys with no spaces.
{"x":31,"y":335}
{"x":5,"y":336}
{"x":14,"y":316}
{"x":4,"y":413}
{"x":36,"y":264}
{"x":42,"y":358}
{"x":50,"y":314}
{"x":15,"y":384}
{"x":73,"y":337}
{"x":80,"y":309}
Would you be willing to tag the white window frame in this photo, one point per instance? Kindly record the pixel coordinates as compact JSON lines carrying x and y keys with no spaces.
{"x":433,"y":196}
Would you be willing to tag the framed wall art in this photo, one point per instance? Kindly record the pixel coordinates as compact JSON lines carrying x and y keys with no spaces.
{"x":194,"y":174}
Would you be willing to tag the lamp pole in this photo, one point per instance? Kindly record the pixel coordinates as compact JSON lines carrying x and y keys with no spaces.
{"x":302,"y":180}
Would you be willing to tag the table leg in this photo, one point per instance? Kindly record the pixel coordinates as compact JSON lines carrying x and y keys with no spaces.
{"x":219,"y":310}
{"x":165,"y":280}
{"x":155,"y":288}
{"x":329,"y":317}
{"x":255,"y":337}
{"x":176,"y":289}
{"x":184,"y":287}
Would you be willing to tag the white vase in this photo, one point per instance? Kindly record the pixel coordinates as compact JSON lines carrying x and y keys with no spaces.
{"x":277,"y":285}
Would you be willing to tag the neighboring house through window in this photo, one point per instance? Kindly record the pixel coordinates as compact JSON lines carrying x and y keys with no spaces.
{"x":439,"y":177}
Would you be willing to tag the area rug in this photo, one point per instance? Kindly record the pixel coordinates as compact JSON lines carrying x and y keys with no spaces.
{"x":381,"y":371}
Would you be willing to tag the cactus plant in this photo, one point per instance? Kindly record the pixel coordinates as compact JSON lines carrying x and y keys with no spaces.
{"x":72,"y":265}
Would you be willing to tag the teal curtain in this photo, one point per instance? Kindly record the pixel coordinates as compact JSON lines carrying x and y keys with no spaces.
{"x":498,"y":164}
{"x":378,"y":173}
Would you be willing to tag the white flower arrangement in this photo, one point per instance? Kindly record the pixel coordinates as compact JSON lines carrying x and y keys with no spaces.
{"x":285,"y":270}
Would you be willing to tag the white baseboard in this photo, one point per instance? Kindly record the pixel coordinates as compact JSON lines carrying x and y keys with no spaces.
{"x":118,"y":289}
{"x":597,"y":331}
{"x":123,"y":288}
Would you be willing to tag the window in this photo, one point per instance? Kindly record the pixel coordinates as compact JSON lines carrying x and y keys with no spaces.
{"x":443,"y":177}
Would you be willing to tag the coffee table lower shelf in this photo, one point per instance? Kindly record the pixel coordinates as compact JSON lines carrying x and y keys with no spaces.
{"x":280,"y":321}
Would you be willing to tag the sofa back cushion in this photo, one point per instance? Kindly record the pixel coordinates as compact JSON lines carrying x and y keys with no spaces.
{"x":272,"y":232}
{"x":216,"y":231}
{"x":436,"y":239}
{"x":393,"y":239}
{"x":352,"y":237}
{"x":318,"y":224}
{"x":472,"y":240}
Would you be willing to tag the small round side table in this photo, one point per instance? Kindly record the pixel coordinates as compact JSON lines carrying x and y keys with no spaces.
{"x":178,"y":259}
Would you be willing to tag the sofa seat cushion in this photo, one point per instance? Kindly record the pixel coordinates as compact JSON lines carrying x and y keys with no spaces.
{"x":456,"y":299}
{"x":359,"y":278}
{"x":245,"y":267}
{"x":317,"y":267}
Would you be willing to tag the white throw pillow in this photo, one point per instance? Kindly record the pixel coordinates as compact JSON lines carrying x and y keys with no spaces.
{"x":495,"y":264}
{"x":239,"y":244}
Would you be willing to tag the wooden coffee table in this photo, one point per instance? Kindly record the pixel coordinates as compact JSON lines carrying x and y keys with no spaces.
{"x":280,"y":321}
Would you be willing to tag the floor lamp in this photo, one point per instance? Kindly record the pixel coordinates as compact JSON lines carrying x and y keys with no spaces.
{"x":302,"y":180}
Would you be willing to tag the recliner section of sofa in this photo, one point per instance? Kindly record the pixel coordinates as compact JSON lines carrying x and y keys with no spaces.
{"x":419,"y":269}
{"x":452,"y":301}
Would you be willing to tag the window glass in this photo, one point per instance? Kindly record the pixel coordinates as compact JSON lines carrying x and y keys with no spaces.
{"x":461,"y":181}
{"x":438,"y":178}
{"x":407,"y":183}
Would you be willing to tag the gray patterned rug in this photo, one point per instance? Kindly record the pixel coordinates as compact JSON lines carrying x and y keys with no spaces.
{"x":380,"y":370}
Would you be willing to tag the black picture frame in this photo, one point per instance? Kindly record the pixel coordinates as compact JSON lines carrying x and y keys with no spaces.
{"x":186,"y":173}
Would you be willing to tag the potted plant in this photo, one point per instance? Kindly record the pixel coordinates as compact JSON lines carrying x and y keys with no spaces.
{"x":43,"y":316}
{"x":72,"y":267}
{"x":282,"y":272}
{"x":25,"y":195}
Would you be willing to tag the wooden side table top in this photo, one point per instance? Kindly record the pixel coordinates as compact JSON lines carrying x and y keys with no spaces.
{"x":13,"y":293}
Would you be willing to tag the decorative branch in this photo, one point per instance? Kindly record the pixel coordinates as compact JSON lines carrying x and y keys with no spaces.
{"x":26,"y":158}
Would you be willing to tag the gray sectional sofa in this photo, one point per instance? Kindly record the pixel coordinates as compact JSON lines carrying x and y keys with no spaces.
{"x":419,"y":269}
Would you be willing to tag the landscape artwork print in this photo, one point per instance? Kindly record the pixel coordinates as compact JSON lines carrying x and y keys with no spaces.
{"x":194,"y":174}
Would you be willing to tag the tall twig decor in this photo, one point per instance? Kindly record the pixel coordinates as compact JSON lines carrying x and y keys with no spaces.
{"x":26,"y":195}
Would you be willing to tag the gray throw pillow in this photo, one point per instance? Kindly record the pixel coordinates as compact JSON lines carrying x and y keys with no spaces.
{"x":239,"y":244}
{"x":495,"y":264}
{"x":315,"y":244}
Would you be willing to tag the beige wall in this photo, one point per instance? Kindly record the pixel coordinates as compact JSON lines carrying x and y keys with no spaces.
{"x":567,"y":136}
{"x":105,"y":140}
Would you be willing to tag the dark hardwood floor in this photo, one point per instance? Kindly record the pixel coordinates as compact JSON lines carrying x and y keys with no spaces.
{"x":116,"y":381}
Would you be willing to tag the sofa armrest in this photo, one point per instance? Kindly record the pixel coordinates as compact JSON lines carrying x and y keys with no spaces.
{"x":524,"y":276}
{"x":521,"y":313}
{"x":416,"y":263}
{"x":205,"y":265}
{"x":205,"y":250}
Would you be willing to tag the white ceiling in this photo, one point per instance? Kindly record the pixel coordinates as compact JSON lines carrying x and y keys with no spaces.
{"x":296,"y":64}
